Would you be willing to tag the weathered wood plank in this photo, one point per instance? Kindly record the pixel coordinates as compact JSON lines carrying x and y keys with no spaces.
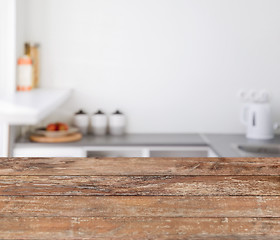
{"x":141,"y":206}
{"x":73,"y":198}
{"x":140,"y":185}
{"x":138,"y":228}
{"x":140,"y":166}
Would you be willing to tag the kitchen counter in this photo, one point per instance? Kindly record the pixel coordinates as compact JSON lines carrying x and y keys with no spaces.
{"x":131,"y":140}
{"x":224,"y":145}
{"x":129,"y":145}
{"x":133,"y":198}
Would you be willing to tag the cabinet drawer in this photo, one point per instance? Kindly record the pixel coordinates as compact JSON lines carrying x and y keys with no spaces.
{"x":116,"y":152}
{"x":48,"y":152}
{"x":192,"y":151}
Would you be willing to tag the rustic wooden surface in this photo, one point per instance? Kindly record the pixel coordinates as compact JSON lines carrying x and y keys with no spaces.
{"x":145,"y":198}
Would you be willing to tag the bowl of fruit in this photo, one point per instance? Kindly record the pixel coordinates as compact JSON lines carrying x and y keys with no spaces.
{"x":57,"y":129}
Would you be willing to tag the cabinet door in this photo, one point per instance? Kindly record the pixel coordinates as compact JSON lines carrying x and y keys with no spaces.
{"x":192,"y":151}
{"x":161,"y":151}
{"x":116,"y":152}
{"x":48,"y":152}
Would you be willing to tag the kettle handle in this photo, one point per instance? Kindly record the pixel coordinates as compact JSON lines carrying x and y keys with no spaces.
{"x":244,"y":114}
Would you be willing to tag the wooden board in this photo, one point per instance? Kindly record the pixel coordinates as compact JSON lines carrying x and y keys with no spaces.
{"x":140,"y":206}
{"x":140,"y":166}
{"x":139,"y":198}
{"x":67,"y":138}
{"x":139,"y":228}
{"x":140,"y":185}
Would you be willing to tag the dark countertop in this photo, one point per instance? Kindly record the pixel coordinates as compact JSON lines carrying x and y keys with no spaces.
{"x":225,"y":145}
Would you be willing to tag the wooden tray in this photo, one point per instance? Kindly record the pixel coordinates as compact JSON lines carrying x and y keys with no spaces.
{"x":68,"y":138}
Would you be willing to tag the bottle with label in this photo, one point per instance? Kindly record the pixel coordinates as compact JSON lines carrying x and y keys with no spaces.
{"x":24,"y":73}
{"x":32,"y":50}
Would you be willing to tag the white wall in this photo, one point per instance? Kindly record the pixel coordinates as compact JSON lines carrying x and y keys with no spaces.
{"x":21,"y":22}
{"x":12,"y":17}
{"x":170,"y":65}
{"x":7,"y":49}
{"x":12,"y":33}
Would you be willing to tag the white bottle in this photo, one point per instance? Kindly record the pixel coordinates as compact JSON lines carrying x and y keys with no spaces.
{"x":81,"y":121}
{"x":24,"y":74}
{"x":117,"y":123}
{"x":99,"y":123}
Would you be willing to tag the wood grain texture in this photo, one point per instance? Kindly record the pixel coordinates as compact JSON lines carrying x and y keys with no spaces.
{"x":141,"y":206}
{"x":137,"y":228}
{"x":140,"y":166}
{"x":140,"y":185}
{"x":130,"y":198}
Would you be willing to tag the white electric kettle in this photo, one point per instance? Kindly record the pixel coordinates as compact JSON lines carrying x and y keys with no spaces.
{"x":257,"y":117}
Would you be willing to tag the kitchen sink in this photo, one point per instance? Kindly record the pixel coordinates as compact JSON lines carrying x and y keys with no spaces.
{"x":266,"y":150}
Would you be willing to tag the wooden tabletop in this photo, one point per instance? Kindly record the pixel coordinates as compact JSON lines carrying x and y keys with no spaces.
{"x":140,"y":198}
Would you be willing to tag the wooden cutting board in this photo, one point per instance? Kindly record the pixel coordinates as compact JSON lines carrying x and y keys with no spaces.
{"x":67,"y":138}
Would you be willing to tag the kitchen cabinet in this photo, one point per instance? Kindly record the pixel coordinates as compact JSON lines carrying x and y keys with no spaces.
{"x":48,"y":152}
{"x":120,"y":151}
{"x":149,"y":151}
{"x":189,"y":151}
{"x":27,"y":108}
{"x":129,"y":145}
{"x":115,"y":152}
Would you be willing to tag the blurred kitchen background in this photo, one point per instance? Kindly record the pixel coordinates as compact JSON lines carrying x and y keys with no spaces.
{"x":179,"y":70}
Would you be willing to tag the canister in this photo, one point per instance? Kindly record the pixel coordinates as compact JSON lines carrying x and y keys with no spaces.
{"x":81,"y":121}
{"x":99,"y":123}
{"x":117,"y":123}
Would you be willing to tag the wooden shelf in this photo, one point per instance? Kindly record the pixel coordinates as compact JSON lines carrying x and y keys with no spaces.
{"x":25,"y":108}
